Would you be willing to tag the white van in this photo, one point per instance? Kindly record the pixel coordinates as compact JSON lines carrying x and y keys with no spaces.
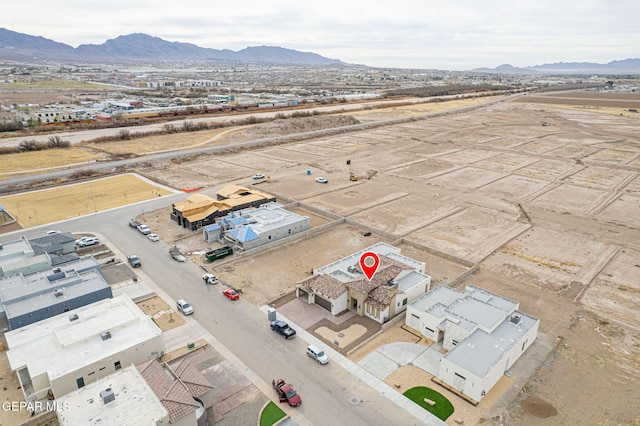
{"x":317,"y":354}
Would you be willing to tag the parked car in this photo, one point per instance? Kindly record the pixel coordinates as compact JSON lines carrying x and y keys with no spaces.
{"x":210,"y":279}
{"x":134,"y":261}
{"x":153,"y":237}
{"x":283,"y":328}
{"x":144,"y":229}
{"x":317,"y":354}
{"x":258,"y":176}
{"x":231,"y":294}
{"x":184,"y":307}
{"x":321,"y":180}
{"x":134,"y":223}
{"x":287,"y":394}
{"x":88,"y":241}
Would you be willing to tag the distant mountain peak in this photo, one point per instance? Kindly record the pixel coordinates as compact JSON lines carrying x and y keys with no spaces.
{"x":144,"y":47}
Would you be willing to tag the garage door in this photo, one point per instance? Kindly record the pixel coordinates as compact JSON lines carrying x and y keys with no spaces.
{"x":323,"y":303}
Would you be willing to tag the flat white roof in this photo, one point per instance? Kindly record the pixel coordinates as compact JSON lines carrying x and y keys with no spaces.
{"x":134,"y":404}
{"x":14,"y":248}
{"x":58,"y":345}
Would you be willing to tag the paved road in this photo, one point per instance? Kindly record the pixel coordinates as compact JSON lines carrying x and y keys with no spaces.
{"x":328,"y":391}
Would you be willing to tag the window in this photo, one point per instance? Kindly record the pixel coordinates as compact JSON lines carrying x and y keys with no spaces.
{"x":455,"y":342}
{"x":80,"y":382}
{"x":117,"y":365}
{"x":404,"y":302}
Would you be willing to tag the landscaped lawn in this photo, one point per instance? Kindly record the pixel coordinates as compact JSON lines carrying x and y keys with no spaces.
{"x":271,"y":414}
{"x":442,"y":407}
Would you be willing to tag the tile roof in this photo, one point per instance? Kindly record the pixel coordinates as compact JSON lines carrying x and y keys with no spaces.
{"x":323,"y":284}
{"x":193,"y":379}
{"x":382,"y":276}
{"x":173,"y":395}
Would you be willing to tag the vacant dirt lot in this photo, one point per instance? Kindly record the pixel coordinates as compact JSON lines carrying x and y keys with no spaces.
{"x":548,"y":212}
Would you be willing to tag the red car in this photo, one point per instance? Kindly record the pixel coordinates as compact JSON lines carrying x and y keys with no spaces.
{"x":287,"y":394}
{"x":231,"y":294}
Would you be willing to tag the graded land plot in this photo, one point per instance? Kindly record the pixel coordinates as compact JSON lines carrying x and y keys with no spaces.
{"x":572,"y":151}
{"x":357,"y":196}
{"x":505,"y":163}
{"x":619,"y":209}
{"x":36,"y":161}
{"x":599,"y":177}
{"x":514,"y":187}
{"x":470,"y":234}
{"x":427,"y":167}
{"x":539,"y":146}
{"x":52,"y":205}
{"x":198,"y":174}
{"x":440,"y":269}
{"x":614,"y":156}
{"x":251,"y":161}
{"x":266,"y":276}
{"x":289,"y":154}
{"x":546,"y":169}
{"x":408,"y":213}
{"x":615,"y":292}
{"x":466,"y":156}
{"x":570,"y":198}
{"x":545,"y":258}
{"x":466,"y":178}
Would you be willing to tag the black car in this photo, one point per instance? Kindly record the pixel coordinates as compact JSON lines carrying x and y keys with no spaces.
{"x":134,"y":261}
{"x":283,"y":328}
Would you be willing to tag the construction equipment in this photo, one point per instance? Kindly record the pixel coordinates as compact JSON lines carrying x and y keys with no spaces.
{"x":353,"y":177}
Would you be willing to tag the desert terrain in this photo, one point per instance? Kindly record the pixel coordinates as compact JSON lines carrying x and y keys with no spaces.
{"x":538,"y":201}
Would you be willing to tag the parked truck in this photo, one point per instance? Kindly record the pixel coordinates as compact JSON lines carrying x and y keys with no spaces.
{"x":218,"y":253}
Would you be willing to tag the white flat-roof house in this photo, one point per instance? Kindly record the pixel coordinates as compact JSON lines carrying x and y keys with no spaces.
{"x":342,"y":286}
{"x":68,"y":351}
{"x":123,"y":398}
{"x":253,"y":227}
{"x":484,"y":334}
{"x":151,"y":394}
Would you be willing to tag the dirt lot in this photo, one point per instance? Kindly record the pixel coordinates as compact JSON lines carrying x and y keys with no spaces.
{"x":548,"y":212}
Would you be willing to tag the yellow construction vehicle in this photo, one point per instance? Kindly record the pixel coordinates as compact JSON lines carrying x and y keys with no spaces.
{"x":353,"y":177}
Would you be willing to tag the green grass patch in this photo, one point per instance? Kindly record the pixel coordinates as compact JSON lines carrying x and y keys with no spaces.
{"x":271,"y":414}
{"x":442,"y":408}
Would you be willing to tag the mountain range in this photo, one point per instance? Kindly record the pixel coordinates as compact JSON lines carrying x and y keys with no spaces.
{"x":625,"y":66}
{"x":142,"y":47}
{"x":139,"y":47}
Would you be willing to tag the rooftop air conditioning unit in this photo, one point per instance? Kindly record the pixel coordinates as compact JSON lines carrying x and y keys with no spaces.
{"x":56,"y":270}
{"x":105,"y":335}
{"x":58,"y":292}
{"x":73,"y":317}
{"x":107,"y":395}
{"x":515,"y":319}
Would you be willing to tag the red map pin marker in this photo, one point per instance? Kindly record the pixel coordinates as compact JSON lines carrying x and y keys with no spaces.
{"x":369,"y":262}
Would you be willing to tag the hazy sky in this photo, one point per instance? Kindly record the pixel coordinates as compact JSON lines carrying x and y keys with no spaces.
{"x":445,"y":34}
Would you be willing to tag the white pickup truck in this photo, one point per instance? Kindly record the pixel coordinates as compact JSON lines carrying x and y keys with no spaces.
{"x":144,"y":229}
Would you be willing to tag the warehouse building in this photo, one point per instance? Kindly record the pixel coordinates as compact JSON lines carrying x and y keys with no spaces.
{"x":60,"y":354}
{"x":484,"y":335}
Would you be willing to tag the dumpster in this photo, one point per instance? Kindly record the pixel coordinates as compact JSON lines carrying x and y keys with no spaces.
{"x":218,"y":253}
